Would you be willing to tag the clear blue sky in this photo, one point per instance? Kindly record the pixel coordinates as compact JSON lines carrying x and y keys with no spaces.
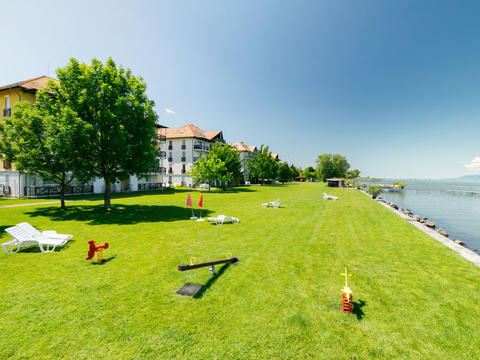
{"x":392,"y":85}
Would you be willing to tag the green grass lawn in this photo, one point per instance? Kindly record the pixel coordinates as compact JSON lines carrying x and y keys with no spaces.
{"x":414,"y":298}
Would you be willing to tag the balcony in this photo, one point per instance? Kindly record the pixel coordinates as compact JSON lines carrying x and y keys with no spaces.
{"x":162,"y":154}
{"x":184,"y":147}
{"x":184,"y":159}
{"x":42,"y":191}
{"x":161,"y":138}
{"x":159,"y":170}
{"x":7,"y":112}
{"x":201,"y":147}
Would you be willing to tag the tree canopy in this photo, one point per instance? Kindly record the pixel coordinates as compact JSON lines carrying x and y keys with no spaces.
{"x":231,"y":159}
{"x":352,"y":174}
{"x":262,"y":166}
{"x":331,"y":165}
{"x":210,"y":169}
{"x":309,"y":173}
{"x":285,"y":173}
{"x":118,"y":115}
{"x":47,"y":140}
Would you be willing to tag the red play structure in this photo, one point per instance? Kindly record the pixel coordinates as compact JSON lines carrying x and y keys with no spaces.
{"x":96,"y":249}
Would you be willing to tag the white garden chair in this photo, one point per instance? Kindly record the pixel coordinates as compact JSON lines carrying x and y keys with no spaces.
{"x":221,"y":219}
{"x":329,"y":197}
{"x":275,"y":204}
{"x":22,"y":239}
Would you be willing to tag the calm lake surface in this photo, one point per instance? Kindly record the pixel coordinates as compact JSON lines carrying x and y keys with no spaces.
{"x":453,"y":205}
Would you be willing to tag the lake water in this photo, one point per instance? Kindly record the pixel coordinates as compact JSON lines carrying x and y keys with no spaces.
{"x":453,"y":205}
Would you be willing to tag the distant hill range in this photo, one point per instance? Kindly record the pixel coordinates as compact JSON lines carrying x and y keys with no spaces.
{"x":469,"y":177}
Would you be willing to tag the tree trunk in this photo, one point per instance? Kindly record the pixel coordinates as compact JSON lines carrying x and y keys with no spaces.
{"x":106,"y":197}
{"x":62,"y":195}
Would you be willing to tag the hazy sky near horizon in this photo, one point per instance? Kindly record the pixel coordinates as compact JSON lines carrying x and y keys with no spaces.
{"x":392,"y":85}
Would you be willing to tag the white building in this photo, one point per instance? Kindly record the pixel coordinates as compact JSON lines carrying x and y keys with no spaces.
{"x":184,"y":146}
{"x":246,"y":153}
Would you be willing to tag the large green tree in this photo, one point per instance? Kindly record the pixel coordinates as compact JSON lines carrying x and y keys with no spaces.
{"x":331,"y":165}
{"x":262,"y":166}
{"x":48,"y":141}
{"x":285,"y":173}
{"x":119,"y":115}
{"x":231,"y":159}
{"x":210,"y":169}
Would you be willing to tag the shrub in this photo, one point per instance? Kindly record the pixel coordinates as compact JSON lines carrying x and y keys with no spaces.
{"x":373,"y":190}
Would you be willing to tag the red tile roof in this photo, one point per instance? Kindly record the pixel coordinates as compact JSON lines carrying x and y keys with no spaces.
{"x":241,"y":146}
{"x":191,"y":131}
{"x":30,"y":84}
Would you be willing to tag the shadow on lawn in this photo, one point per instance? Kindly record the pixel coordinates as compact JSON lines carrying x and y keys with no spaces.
{"x":211,"y":281}
{"x":36,"y":248}
{"x":357,"y":309}
{"x":229,"y":190}
{"x":119,"y":214}
{"x":104,"y":261}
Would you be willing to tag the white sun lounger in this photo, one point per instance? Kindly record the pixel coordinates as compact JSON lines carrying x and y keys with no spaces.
{"x":220,"y":219}
{"x":329,"y":197}
{"x":22,"y":239}
{"x":30,"y":230}
{"x":275,"y":204}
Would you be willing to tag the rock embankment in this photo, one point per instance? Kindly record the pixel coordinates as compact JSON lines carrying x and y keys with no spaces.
{"x":415,"y":217}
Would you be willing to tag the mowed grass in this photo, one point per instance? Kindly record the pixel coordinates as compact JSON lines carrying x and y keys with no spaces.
{"x":414,"y":298}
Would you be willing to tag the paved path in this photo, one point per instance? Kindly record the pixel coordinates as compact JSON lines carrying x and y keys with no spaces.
{"x":463,"y":251}
{"x":30,"y":204}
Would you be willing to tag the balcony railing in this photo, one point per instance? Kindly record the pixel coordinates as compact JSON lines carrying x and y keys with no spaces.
{"x":55,"y":190}
{"x":161,"y":138}
{"x":158,"y":170}
{"x":150,"y":186}
{"x":203,"y":147}
{"x":7,"y":112}
{"x":184,"y":158}
{"x":162,"y":154}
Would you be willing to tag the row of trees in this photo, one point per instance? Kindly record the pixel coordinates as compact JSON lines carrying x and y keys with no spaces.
{"x":223,"y":164}
{"x":330,"y":166}
{"x":96,"y":121}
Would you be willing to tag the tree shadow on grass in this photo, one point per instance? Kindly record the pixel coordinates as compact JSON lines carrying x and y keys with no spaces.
{"x":229,"y":190}
{"x":119,"y":214}
{"x":211,"y":281}
{"x":357,"y":309}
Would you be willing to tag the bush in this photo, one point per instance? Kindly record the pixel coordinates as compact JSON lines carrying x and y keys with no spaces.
{"x":399,"y":184}
{"x":373,"y":190}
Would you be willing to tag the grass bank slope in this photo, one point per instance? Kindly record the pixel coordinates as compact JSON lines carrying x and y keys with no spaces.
{"x":414,"y":298}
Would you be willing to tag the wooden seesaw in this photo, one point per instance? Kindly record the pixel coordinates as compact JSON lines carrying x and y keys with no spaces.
{"x":190,"y":289}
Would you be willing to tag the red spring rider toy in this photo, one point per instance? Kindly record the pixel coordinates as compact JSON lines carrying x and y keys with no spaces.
{"x":347,"y":295}
{"x":96,"y":250}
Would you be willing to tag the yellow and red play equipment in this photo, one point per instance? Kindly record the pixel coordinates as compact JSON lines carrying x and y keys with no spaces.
{"x":347,"y":295}
{"x":96,"y":250}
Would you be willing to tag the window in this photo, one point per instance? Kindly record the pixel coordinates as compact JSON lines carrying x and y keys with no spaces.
{"x":6,"y":165}
{"x":7,"y":101}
